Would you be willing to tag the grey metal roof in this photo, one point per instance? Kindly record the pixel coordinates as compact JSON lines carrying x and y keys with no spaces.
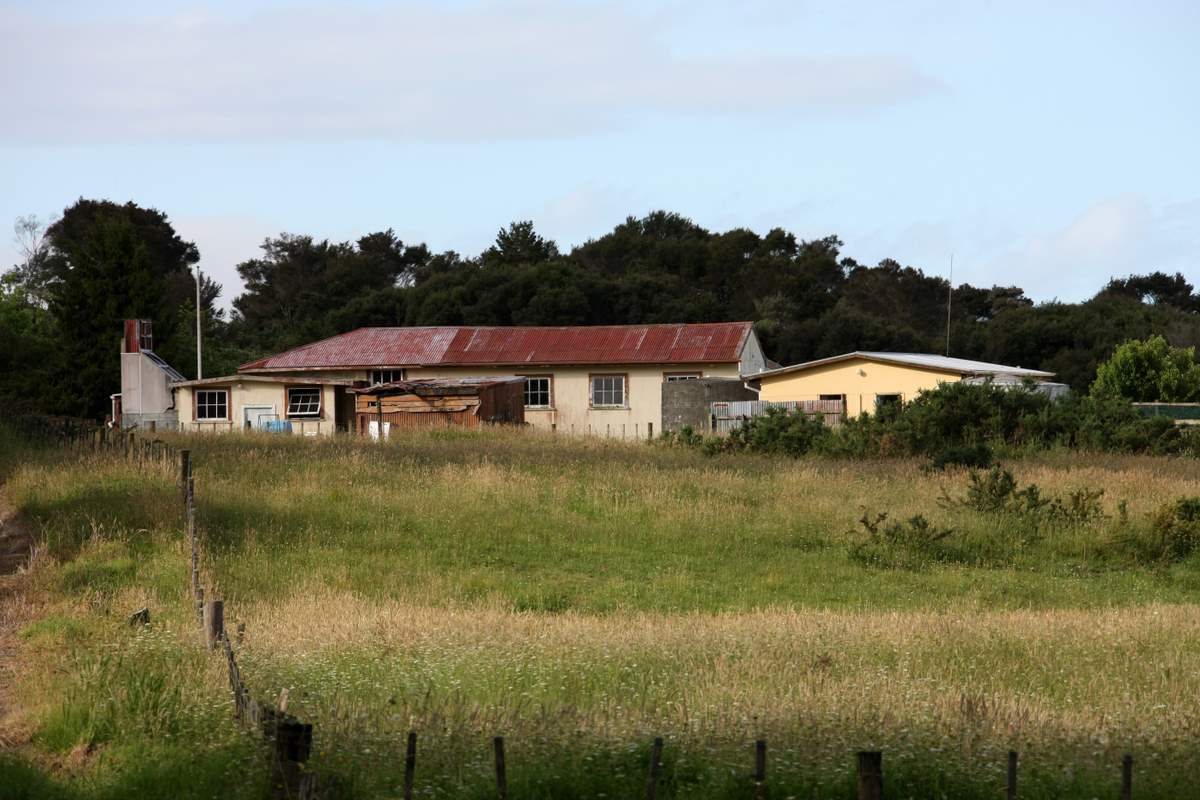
{"x":172,"y":373}
{"x":961,"y":366}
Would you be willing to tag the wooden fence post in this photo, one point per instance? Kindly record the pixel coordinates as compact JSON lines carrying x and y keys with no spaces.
{"x":410,"y":764}
{"x":501,"y":773}
{"x":760,"y":769}
{"x":1011,"y":790}
{"x":1127,"y":777}
{"x":655,"y":761}
{"x":870,"y":775}
{"x":214,"y":623}
{"x":185,"y":472}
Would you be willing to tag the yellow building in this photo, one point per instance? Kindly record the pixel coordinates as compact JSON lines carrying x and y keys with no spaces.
{"x":864,"y":381}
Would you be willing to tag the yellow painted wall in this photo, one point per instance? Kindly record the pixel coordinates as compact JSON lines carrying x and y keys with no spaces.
{"x":570,"y":388}
{"x":859,"y":379}
{"x":248,"y":392}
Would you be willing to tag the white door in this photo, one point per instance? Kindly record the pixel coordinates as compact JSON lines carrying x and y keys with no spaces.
{"x":257,"y":417}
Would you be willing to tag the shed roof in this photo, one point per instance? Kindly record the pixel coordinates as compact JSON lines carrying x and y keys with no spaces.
{"x":438,"y":386}
{"x":705,"y":343}
{"x":926,"y":361}
{"x":227,"y":379}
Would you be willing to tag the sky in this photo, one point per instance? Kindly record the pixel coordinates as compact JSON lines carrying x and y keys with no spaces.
{"x":1047,"y":145}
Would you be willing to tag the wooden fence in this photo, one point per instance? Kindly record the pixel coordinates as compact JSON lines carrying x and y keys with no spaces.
{"x":291,"y":738}
{"x":730,"y":415}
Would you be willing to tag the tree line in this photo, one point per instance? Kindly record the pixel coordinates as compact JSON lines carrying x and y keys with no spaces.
{"x":101,"y":262}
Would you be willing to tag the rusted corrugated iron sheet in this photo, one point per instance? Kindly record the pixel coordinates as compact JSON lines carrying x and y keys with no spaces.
{"x":705,"y":343}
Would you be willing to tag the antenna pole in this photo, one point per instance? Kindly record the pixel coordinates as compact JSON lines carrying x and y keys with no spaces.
{"x":199,"y":366}
{"x":949,"y":300}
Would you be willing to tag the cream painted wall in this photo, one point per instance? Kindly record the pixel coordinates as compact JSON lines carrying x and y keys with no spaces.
{"x":570,"y":390}
{"x":859,"y":379}
{"x":245,"y":392}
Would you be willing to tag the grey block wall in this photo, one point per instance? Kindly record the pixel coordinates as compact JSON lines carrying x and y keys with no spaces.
{"x":687,"y":402}
{"x":163,"y":421}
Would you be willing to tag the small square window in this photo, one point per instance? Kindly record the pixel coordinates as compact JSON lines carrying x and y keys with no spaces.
{"x":608,"y":391}
{"x":537,"y":391}
{"x":304,"y":402}
{"x":212,"y":404}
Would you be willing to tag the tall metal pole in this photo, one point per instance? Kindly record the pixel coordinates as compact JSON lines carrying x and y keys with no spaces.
{"x":949,"y":300}
{"x":199,"y":366}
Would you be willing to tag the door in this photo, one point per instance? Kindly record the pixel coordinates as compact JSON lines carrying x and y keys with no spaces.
{"x":257,"y":417}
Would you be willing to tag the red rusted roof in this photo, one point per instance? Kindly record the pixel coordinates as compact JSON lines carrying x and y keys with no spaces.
{"x":703,"y":343}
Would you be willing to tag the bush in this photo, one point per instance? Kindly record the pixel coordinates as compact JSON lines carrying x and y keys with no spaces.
{"x":996,"y":492}
{"x":914,"y":543}
{"x":779,"y":432}
{"x":960,"y":423}
{"x":1175,"y":529}
{"x":978,"y":456}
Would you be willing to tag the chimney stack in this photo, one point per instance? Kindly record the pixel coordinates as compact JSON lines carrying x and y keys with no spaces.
{"x":139,"y":336}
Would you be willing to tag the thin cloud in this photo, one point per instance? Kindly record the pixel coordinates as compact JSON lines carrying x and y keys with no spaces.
{"x":523,"y":71}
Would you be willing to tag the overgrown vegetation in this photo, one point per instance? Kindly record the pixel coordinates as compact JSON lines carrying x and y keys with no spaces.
{"x":964,"y":424}
{"x":583,"y":596}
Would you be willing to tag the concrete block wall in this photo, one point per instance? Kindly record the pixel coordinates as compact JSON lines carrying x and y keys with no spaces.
{"x":687,"y":402}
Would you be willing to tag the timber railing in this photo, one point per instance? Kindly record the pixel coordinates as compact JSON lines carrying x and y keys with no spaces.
{"x":291,"y":738}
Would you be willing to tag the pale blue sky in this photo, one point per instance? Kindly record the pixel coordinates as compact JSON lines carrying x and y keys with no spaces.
{"x":1052,"y":147}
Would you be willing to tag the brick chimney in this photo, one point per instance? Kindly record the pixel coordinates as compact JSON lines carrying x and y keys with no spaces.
{"x":139,"y":336}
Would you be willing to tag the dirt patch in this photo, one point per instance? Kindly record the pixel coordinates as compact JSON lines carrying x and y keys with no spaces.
{"x":16,"y":538}
{"x":16,"y":545}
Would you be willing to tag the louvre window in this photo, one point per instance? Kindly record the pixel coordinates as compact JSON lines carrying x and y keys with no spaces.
{"x":381,"y":376}
{"x":537,"y":391}
{"x":305,"y":402}
{"x":673,"y":377}
{"x":608,"y":391}
{"x":212,"y":404}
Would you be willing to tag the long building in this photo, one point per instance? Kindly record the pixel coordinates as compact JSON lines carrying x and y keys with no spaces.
{"x":601,"y":380}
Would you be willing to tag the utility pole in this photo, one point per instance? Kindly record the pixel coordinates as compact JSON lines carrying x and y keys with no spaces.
{"x":949,"y":300}
{"x":199,"y":366}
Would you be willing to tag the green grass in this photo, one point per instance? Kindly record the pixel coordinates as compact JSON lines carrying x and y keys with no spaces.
{"x":581,"y":597}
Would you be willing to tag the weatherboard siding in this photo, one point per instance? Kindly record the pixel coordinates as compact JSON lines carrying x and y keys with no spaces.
{"x":859,"y":379}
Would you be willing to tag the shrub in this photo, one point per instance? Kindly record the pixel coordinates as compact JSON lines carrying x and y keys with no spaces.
{"x":997,"y":492}
{"x":978,"y":456}
{"x":1175,"y":529}
{"x":779,"y":432}
{"x":912,"y":544}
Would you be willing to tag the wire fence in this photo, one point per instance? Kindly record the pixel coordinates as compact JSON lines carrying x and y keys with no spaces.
{"x":291,"y":739}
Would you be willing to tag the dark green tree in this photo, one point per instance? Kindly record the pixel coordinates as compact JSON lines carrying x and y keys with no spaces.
{"x":106,"y":263}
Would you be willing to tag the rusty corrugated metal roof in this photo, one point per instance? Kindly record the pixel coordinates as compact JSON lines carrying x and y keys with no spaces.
{"x":701,"y":343}
{"x":437,"y":385}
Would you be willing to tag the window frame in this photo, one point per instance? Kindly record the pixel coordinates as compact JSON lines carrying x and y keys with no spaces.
{"x":899,"y":399}
{"x":196,"y":392}
{"x":624,"y":405}
{"x":403,"y":375}
{"x":677,"y":377}
{"x":287,"y":402}
{"x":549,"y":379}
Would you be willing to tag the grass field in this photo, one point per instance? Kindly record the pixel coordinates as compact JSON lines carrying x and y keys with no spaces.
{"x":581,"y":597}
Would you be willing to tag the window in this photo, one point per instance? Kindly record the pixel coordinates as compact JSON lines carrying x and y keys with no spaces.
{"x":304,"y":402}
{"x":537,"y":391}
{"x":672,"y":377}
{"x":887,"y":401}
{"x":608,"y":391}
{"x":212,"y":404}
{"x":378,"y":376}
